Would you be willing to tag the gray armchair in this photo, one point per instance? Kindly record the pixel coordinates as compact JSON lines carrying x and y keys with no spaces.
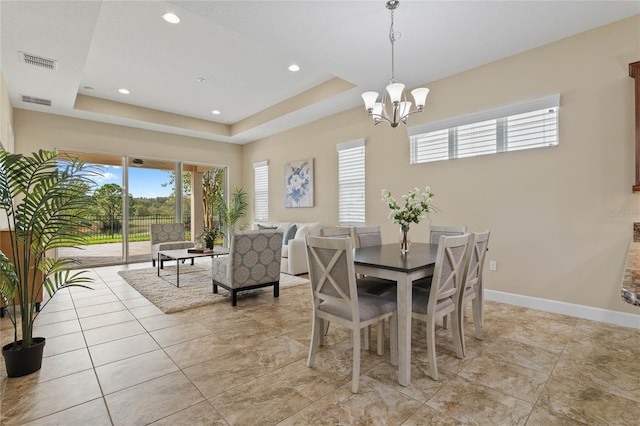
{"x":253,"y":262}
{"x":167,"y":236}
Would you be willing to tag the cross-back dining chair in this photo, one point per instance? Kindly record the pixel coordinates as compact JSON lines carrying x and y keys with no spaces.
{"x":368,"y":236}
{"x":449,"y":231}
{"x":472,"y":289}
{"x":335,"y":298}
{"x":441,"y":299}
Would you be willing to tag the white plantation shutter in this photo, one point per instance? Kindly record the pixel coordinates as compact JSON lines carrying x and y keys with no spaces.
{"x":261,"y":188}
{"x":351,"y":183}
{"x":526,"y":125}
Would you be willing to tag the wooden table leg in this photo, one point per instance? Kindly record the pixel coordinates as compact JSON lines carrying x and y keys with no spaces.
{"x":404,"y":329}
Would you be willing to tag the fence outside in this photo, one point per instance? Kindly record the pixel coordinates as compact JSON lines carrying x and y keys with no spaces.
{"x":108,"y":228}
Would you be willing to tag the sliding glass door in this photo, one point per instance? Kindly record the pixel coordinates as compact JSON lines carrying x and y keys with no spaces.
{"x":134,"y":192}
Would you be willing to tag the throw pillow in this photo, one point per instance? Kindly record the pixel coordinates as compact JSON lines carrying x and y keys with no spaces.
{"x":263,"y":227}
{"x":289,"y":234}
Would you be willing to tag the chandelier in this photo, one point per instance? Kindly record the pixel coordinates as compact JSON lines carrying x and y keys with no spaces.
{"x":393,"y":107}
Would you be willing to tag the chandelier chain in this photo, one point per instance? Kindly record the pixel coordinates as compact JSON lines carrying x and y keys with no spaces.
{"x":392,"y":39}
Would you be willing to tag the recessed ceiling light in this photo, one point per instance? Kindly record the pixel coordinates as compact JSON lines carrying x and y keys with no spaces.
{"x":201,"y":80}
{"x":215,"y":112}
{"x":124,"y":91}
{"x":171,"y":18}
{"x":294,"y":67}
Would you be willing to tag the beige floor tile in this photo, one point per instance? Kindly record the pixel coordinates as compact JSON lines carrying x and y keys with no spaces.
{"x":200,"y":350}
{"x":64,"y":343}
{"x":473,"y":403}
{"x":92,"y":413}
{"x":102,"y":320}
{"x":132,"y":371}
{"x":103,"y":308}
{"x":200,"y":414}
{"x":109,"y":333}
{"x":374,"y":404}
{"x":137,"y":302}
{"x":64,"y":364}
{"x":427,"y":416}
{"x":534,"y":357}
{"x":56,"y":329}
{"x":152,"y":400}
{"x":120,"y":349}
{"x":275,"y":353}
{"x":46,"y":317}
{"x":179,"y":333}
{"x":145,"y":311}
{"x":509,"y":378}
{"x":24,"y":400}
{"x":575,"y":400}
{"x":95,"y":300}
{"x":158,"y":322}
{"x":220,"y":374}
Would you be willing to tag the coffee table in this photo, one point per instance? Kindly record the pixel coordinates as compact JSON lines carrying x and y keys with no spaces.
{"x":182,"y":254}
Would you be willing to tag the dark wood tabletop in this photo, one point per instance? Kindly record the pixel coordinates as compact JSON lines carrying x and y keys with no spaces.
{"x":388,"y":256}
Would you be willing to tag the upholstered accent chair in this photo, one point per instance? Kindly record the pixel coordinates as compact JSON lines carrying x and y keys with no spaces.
{"x":167,"y":236}
{"x":253,"y":262}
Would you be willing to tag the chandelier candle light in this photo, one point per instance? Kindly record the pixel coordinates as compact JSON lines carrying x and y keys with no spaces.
{"x":393,"y":107}
{"x":417,"y":206}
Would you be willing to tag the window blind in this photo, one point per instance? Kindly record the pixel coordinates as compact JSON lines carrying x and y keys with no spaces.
{"x":261,"y":188}
{"x":351,"y":183}
{"x":526,"y":125}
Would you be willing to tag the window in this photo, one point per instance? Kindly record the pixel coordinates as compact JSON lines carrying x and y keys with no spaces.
{"x":351,"y":183}
{"x":531,"y":124}
{"x":261,"y":188}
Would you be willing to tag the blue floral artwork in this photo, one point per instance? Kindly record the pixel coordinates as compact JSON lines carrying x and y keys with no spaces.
{"x":298,"y":184}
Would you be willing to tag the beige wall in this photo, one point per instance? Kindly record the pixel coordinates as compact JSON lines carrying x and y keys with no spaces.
{"x":6,"y":117}
{"x":561,"y":218}
{"x":34,"y":130}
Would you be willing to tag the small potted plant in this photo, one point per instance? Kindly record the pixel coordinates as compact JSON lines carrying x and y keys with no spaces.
{"x":210,"y":236}
{"x":44,"y":199}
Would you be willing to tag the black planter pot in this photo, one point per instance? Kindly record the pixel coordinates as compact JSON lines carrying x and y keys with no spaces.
{"x":23,"y":361}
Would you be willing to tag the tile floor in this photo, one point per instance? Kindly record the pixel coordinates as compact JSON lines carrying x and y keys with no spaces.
{"x":113,"y":358}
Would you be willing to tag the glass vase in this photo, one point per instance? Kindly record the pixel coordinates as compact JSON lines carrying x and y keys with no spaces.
{"x":405,"y":241}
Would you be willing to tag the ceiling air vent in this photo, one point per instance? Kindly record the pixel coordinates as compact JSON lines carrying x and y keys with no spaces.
{"x":38,"y":61}
{"x":33,"y":100}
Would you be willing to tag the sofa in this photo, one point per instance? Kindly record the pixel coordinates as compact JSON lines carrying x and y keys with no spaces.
{"x":294,"y":251}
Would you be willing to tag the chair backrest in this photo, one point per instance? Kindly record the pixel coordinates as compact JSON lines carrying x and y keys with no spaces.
{"x":338,"y":231}
{"x":436,"y":231}
{"x":368,"y":236}
{"x":475,"y":263}
{"x":254,"y":257}
{"x":449,"y":269}
{"x":332,"y":273}
{"x":162,"y":232}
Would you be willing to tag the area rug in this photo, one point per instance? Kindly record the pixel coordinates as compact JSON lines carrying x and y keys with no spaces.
{"x":195,"y":287}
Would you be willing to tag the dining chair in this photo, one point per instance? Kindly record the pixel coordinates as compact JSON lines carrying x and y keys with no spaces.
{"x":336,"y":298}
{"x":434,"y":237}
{"x":371,"y":285}
{"x":368,"y":236}
{"x":472,"y":290}
{"x":441,"y":299}
{"x":436,"y":231}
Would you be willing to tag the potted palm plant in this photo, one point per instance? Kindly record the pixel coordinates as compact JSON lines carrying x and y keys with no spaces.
{"x":44,"y":198}
{"x":236,"y":210}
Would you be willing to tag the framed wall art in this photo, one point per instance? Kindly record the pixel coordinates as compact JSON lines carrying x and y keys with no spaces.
{"x":298,"y":183}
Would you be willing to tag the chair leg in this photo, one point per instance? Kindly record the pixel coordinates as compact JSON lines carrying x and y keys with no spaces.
{"x":355,"y":380}
{"x":153,"y":262}
{"x":316,"y":328}
{"x":367,"y":337}
{"x":477,"y":316}
{"x":323,"y":325}
{"x":393,"y":337}
{"x":456,"y":329}
{"x":431,"y":348}
{"x":276,"y":290}
{"x":444,"y":322}
{"x":380,"y":342}
{"x":460,"y":315}
{"x":234,"y":297}
{"x":215,"y":289}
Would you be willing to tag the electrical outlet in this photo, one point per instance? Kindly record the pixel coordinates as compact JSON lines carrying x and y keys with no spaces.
{"x":493,"y":265}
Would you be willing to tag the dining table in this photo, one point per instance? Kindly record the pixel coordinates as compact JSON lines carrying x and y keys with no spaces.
{"x":388,"y":262}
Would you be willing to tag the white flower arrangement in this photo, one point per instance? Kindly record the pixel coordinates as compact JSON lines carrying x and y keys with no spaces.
{"x":417,"y":205}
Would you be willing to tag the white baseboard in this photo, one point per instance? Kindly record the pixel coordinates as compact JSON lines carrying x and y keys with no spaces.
{"x":579,"y":311}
